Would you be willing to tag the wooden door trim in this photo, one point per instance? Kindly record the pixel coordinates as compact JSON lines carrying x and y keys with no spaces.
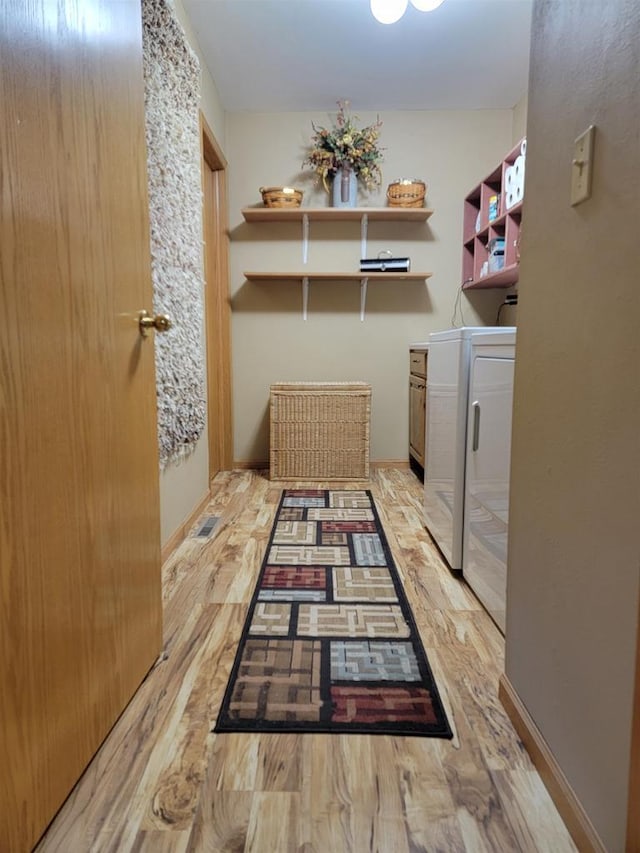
{"x":569,"y":806}
{"x":211,"y":151}
{"x":217,"y":308}
{"x":633,"y":813}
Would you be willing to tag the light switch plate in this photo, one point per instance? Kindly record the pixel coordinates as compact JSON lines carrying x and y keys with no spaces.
{"x":582,"y":166}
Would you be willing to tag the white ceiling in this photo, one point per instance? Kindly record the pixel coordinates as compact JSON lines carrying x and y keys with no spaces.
{"x":297,"y":55}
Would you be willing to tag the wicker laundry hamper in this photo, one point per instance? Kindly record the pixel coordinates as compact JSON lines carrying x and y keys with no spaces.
{"x":320,"y":430}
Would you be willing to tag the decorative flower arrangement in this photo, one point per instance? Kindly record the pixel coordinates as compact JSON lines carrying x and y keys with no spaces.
{"x":345,"y":146}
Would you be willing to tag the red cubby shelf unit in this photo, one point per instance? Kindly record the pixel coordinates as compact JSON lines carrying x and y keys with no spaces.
{"x":479,"y":230}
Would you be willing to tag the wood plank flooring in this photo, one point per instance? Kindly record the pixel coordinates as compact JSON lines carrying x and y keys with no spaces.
{"x":164,"y":783}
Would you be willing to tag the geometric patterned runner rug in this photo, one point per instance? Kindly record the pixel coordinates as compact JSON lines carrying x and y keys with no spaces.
{"x":330,"y":643}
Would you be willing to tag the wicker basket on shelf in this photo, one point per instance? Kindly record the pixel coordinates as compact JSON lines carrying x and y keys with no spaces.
{"x":281,"y":196}
{"x":406,"y":192}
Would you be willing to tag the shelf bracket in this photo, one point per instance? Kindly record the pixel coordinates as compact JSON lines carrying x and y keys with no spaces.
{"x":305,"y":238}
{"x":363,"y":297}
{"x":364,"y":225}
{"x":305,"y":297}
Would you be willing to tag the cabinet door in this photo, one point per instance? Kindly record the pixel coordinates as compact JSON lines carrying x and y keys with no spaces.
{"x":418,"y":363}
{"x":487,"y":482}
{"x":417,"y":417}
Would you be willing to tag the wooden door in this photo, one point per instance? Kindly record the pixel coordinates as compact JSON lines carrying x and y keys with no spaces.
{"x":80,"y":605}
{"x":217,"y":307}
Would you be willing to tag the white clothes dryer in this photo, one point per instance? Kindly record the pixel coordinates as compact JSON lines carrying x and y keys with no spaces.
{"x":487,"y":470}
{"x":447,"y":404}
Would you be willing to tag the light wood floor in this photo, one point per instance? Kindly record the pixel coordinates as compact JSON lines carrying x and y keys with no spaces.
{"x":164,"y":782}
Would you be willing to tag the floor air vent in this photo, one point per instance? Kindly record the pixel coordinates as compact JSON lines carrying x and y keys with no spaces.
{"x":207,"y":526}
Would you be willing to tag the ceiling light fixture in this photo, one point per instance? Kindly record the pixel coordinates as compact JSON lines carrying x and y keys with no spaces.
{"x":426,"y":5}
{"x":390,"y":11}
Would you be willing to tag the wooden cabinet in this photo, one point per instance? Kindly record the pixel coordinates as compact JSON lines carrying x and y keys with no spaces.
{"x":306,"y":215}
{"x":417,"y":405}
{"x":492,"y":218}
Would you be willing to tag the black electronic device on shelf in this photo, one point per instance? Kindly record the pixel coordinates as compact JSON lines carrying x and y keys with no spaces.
{"x":385,"y":262}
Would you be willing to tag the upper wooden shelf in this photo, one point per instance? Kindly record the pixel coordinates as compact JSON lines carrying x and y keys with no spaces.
{"x":336,"y":214}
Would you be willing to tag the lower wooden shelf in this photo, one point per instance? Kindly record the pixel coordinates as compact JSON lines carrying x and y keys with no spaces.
{"x":506,"y":277}
{"x":305,"y":278}
{"x":337,"y":276}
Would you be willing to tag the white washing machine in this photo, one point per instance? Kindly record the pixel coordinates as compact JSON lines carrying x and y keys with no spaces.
{"x":488,"y":460}
{"x":447,"y":403}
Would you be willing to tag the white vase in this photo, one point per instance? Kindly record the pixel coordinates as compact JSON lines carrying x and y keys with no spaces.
{"x":345,"y":189}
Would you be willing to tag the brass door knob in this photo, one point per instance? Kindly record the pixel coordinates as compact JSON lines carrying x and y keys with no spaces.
{"x":159,"y":322}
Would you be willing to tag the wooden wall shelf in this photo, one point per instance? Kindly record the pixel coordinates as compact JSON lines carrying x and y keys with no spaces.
{"x":506,"y":277}
{"x":479,"y":231}
{"x":363,"y":215}
{"x":266,"y":277}
{"x":336,"y":214}
{"x":305,"y":278}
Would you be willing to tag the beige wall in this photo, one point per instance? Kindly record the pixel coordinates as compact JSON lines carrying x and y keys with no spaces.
{"x":574,"y":551}
{"x":184,"y":483}
{"x":210,"y":99}
{"x":452,"y":151}
{"x":519,"y":127}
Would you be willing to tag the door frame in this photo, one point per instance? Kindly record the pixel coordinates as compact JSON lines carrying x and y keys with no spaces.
{"x":217,"y":304}
{"x":633,"y":813}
